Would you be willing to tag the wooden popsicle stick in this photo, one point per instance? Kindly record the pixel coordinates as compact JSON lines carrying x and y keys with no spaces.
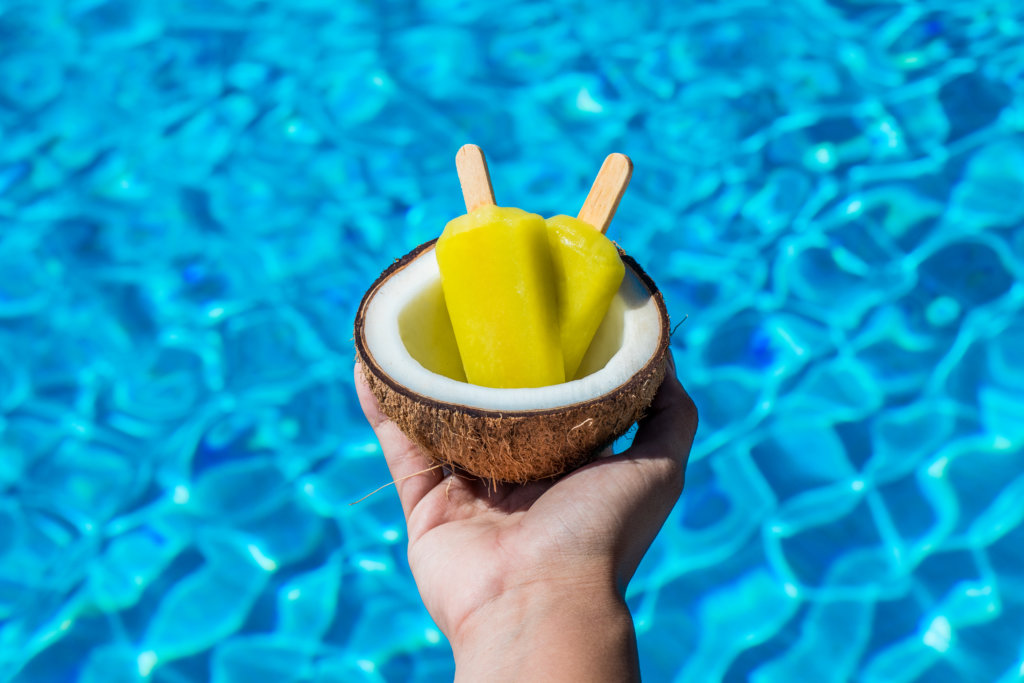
{"x":474,"y":177}
{"x":606,"y":192}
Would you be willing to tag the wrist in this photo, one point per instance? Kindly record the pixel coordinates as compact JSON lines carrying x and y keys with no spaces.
{"x":548,"y":630}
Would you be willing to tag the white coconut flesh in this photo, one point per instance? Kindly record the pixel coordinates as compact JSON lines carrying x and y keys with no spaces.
{"x":394,"y":335}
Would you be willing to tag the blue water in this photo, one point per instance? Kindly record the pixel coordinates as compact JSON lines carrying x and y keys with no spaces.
{"x":194,"y":194}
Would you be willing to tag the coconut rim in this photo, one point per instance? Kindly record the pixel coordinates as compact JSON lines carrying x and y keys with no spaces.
{"x":639,"y":376}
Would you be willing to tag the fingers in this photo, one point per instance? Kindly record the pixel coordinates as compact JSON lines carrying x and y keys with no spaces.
{"x":404,"y":458}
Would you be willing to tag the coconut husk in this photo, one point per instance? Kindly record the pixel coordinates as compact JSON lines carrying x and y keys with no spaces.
{"x":513,"y":446}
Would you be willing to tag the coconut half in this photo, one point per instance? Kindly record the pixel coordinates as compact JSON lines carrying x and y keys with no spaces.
{"x":404,"y":341}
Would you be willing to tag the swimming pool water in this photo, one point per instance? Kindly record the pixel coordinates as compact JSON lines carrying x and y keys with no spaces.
{"x":194,"y":194}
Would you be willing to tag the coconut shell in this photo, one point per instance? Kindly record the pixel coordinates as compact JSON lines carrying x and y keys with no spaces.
{"x":513,"y":446}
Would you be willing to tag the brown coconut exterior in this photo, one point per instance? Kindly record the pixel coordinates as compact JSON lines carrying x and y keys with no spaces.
{"x":513,"y":446}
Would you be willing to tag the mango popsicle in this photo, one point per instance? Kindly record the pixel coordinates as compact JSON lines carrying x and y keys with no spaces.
{"x":588,"y":269}
{"x":525,"y":295}
{"x":588,"y":272}
{"x":499,"y":285}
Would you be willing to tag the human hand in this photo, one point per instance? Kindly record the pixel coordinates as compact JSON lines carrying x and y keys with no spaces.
{"x":531,"y":578}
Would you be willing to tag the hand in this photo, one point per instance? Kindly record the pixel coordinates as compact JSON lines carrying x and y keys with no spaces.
{"x":531,"y":578}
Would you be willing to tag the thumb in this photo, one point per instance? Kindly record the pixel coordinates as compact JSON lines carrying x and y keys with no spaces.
{"x":668,"y":429}
{"x":653,"y":470}
{"x":632,"y":493}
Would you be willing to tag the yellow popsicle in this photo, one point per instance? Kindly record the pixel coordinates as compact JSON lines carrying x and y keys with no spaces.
{"x":588,"y":272}
{"x":499,"y":286}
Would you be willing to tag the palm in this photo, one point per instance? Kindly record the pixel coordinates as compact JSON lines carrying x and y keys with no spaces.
{"x":456,"y":539}
{"x":485,"y":540}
